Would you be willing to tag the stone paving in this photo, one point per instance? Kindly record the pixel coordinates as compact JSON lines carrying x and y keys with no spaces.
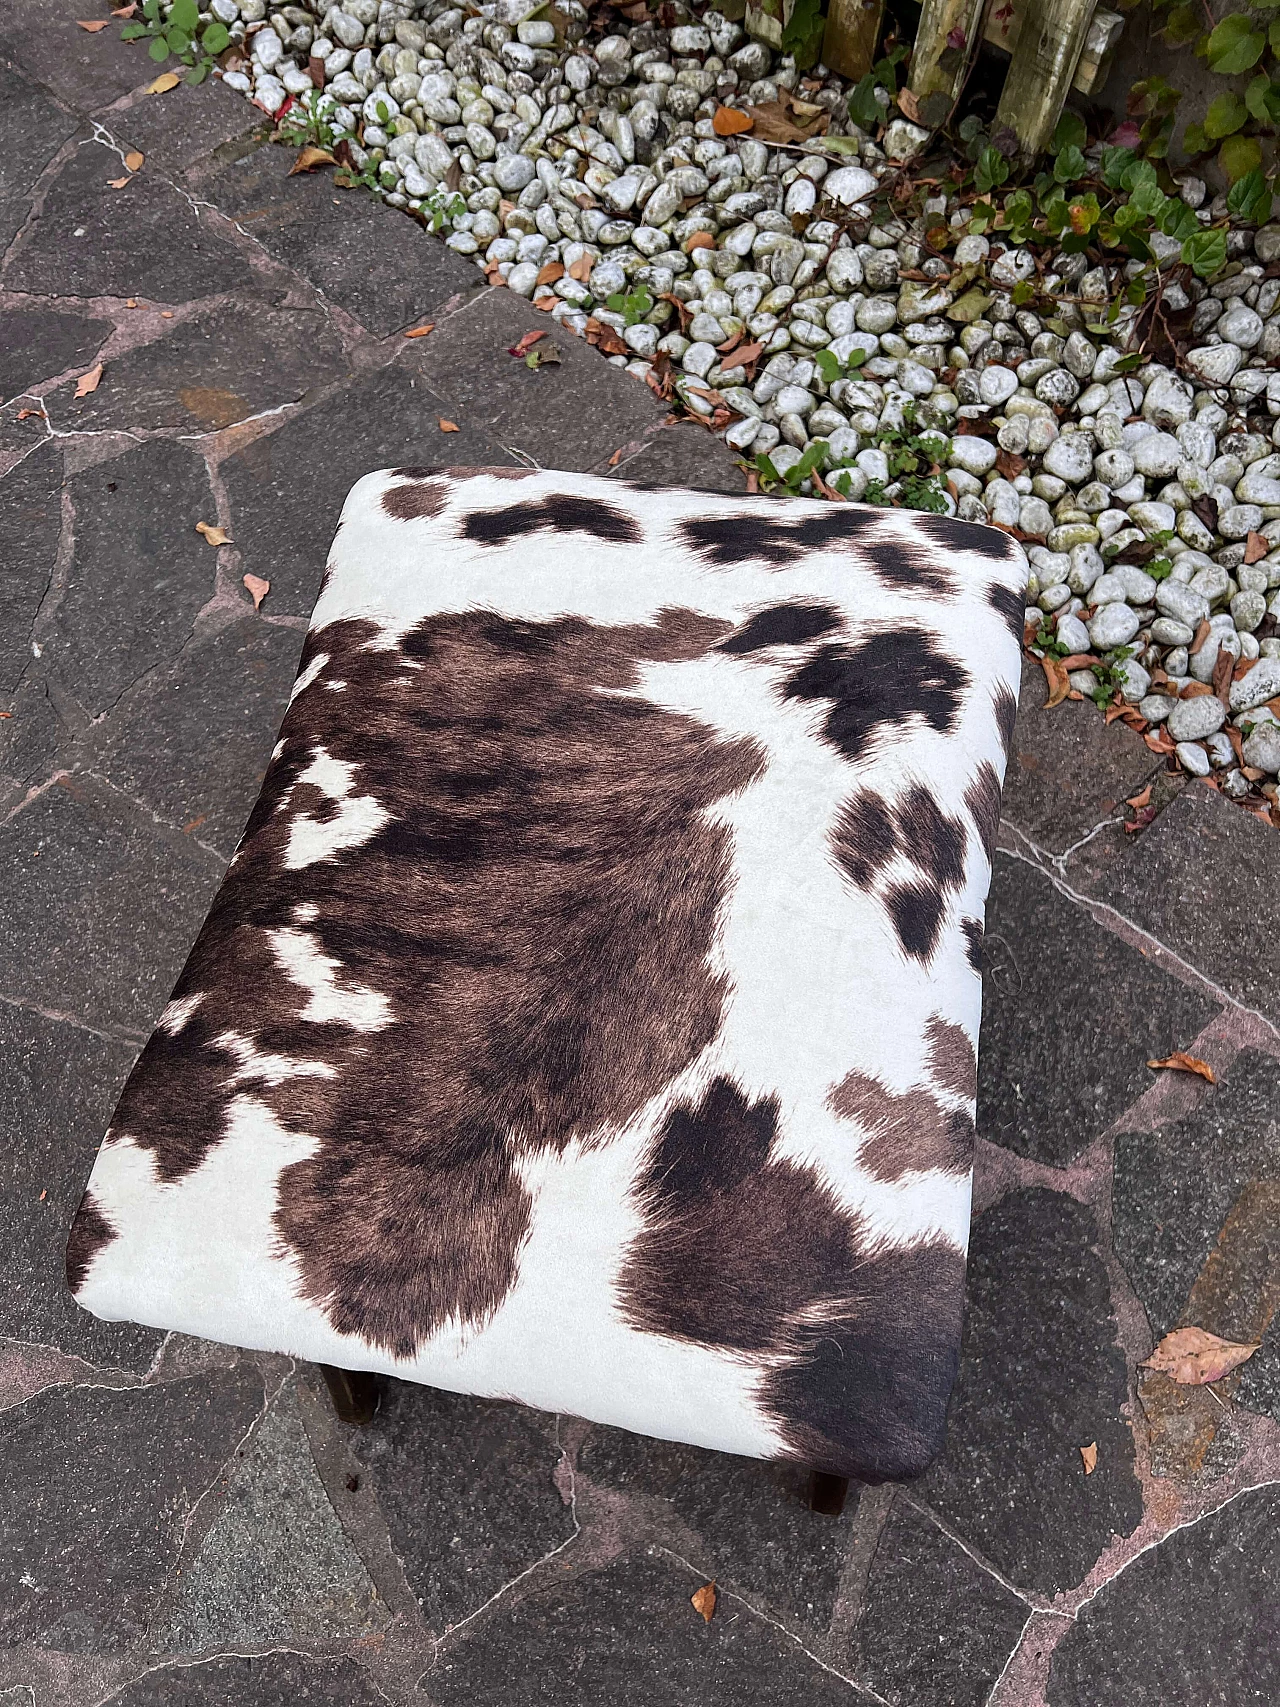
{"x":185,"y":1524}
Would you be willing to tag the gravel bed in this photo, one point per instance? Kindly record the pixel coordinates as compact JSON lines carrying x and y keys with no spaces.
{"x":576,"y":168}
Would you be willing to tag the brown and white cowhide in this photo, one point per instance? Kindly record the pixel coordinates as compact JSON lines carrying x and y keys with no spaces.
{"x":588,"y":1015}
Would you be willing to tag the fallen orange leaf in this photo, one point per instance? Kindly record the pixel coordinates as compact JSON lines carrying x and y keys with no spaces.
{"x":616,"y":458}
{"x":163,"y":83}
{"x":258,"y":589}
{"x":550,"y":273}
{"x":703,"y":1601}
{"x":1193,"y":1357}
{"x":309,"y":158}
{"x":581,"y":268}
{"x":214,"y":535}
{"x":699,"y":240}
{"x":449,"y":426}
{"x":1056,"y":677}
{"x":23,"y":413}
{"x":89,"y":381}
{"x":133,"y":160}
{"x":1256,"y":548}
{"x":744,"y":354}
{"x":125,"y":11}
{"x":1090,"y":1456}
{"x":93,"y":25}
{"x":421,"y":331}
{"x":728,"y":121}
{"x":525,"y":343}
{"x":119,"y":183}
{"x":1139,"y":800}
{"x":1181,"y":1062}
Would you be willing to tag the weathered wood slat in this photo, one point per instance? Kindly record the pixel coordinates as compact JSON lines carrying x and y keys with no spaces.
{"x":937,"y":69}
{"x":852,"y":36}
{"x":1050,"y":41}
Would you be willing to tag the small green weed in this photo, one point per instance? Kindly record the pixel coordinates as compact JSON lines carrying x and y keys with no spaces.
{"x":633,"y":305}
{"x":179,"y":32}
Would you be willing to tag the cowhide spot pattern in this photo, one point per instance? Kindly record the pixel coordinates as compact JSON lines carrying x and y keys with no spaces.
{"x":746,"y":1251}
{"x":598,"y":964}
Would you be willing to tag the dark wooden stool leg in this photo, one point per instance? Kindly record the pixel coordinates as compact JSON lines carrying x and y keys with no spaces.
{"x":827,"y":1493}
{"x":354,"y":1393}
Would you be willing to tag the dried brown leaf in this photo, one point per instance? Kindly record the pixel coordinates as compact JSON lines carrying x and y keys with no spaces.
{"x":89,"y":381}
{"x":743,"y":356}
{"x":93,"y":25}
{"x":1139,"y":800}
{"x":1193,"y":1357}
{"x":774,"y":122}
{"x":581,"y":268}
{"x":133,"y":160}
{"x":1056,"y":677}
{"x":1256,"y":548}
{"x":119,"y":183}
{"x":703,"y":1601}
{"x":524,"y":344}
{"x":163,"y":83}
{"x":449,"y":426}
{"x":258,"y":589}
{"x":421,"y":331}
{"x":213,"y":534}
{"x":309,"y":158}
{"x":1089,"y":1455}
{"x":550,"y":273}
{"x":729,"y":121}
{"x":1181,"y":1062}
{"x":699,"y":240}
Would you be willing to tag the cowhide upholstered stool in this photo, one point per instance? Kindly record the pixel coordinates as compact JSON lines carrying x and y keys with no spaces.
{"x":588,"y":1016}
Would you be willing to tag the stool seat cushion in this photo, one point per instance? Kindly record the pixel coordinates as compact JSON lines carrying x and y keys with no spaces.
{"x":589,"y":1013}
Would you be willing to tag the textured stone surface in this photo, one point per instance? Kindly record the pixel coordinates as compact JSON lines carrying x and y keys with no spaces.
{"x":1174,"y":1189}
{"x":32,"y":129}
{"x":194,"y":743}
{"x":573,"y":415}
{"x":1040,"y":1377}
{"x":1194,"y":1619}
{"x":936,"y":1629}
{"x":753,"y":1518}
{"x":101,"y":906}
{"x":40,"y":343}
{"x":685,"y":456}
{"x":85,"y":71}
{"x":627,"y":1636}
{"x":182,"y":127}
{"x":275,"y":1567}
{"x":219,"y":366}
{"x":146,"y":240}
{"x":1199,"y":879}
{"x":139,"y":575}
{"x":448,"y":1467}
{"x":269,"y":1680}
{"x":30,"y":525}
{"x":372,"y":261}
{"x":287,"y":489}
{"x":1071,"y":1015}
{"x":1068,"y":770}
{"x":58,"y":1085}
{"x":97,"y":1487}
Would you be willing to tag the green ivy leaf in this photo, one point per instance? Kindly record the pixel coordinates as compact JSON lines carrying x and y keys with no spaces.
{"x":1177,"y":219}
{"x":198,"y":72}
{"x":159,"y":48}
{"x":1226,"y":114}
{"x":179,"y":41}
{"x":1183,"y":25}
{"x":1273,"y":36}
{"x":1234,"y":45}
{"x":1070,"y":165}
{"x":131,"y":32}
{"x":185,"y":14}
{"x":1238,"y":156}
{"x":1070,"y":133}
{"x":1250,"y":197}
{"x":215,"y":37}
{"x":1205,"y":252}
{"x":864,"y":109}
{"x":1115,"y":161}
{"x":1194,"y":140}
{"x":991,"y":171}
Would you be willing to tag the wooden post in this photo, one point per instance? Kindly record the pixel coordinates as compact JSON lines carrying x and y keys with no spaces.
{"x":852,"y":36}
{"x":1050,"y":41}
{"x":938,"y":69}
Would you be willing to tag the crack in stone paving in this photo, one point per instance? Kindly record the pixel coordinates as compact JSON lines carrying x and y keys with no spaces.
{"x":1111,"y":919}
